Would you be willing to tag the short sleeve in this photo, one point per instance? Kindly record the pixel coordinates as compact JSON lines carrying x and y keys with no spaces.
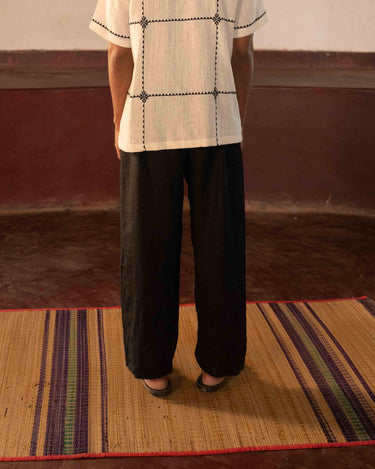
{"x":250,"y":16}
{"x":111,"y":21}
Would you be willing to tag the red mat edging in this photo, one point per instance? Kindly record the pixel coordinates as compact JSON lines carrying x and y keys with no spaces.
{"x":189,"y":304}
{"x":244,"y":449}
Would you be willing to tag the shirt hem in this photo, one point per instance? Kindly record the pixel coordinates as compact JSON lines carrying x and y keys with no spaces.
{"x":241,"y":32}
{"x":108,"y":35}
{"x":207,"y":142}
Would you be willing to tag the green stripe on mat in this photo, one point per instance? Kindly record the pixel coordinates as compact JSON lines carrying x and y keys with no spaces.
{"x":71,"y":388}
{"x":330,"y":379}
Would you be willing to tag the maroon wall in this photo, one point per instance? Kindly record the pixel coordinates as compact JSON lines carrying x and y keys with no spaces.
{"x":57,"y":147}
{"x":311,"y":146}
{"x":309,"y":137}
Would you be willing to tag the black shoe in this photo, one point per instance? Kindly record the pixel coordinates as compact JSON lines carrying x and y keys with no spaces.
{"x":206,"y":388}
{"x":158,"y":392}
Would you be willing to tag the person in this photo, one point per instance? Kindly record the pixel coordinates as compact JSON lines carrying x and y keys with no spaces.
{"x":180,"y":74}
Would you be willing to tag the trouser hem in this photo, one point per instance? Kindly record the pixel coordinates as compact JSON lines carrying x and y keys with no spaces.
{"x":142,"y":373}
{"x":219,"y":372}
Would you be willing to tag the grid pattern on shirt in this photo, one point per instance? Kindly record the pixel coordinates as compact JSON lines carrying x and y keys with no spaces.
{"x":144,"y":96}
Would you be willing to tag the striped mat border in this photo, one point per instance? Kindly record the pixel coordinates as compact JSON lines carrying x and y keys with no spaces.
{"x":66,"y":393}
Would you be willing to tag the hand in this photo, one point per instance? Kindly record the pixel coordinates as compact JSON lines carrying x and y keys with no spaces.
{"x":117,"y":130}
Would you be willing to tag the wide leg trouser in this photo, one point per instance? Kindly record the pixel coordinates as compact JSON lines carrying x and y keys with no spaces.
{"x":151,"y":198}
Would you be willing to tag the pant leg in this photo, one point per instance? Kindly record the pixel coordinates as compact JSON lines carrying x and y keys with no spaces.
{"x":217,"y":207}
{"x":151,"y":197}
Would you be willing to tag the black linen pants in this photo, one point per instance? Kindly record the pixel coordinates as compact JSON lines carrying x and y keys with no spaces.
{"x":151,"y":200}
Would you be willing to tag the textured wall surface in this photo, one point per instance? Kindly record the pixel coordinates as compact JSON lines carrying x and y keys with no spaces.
{"x":334,"y":25}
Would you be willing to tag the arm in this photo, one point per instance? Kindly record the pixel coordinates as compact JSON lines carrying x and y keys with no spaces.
{"x":243,"y":71}
{"x":120,"y":70}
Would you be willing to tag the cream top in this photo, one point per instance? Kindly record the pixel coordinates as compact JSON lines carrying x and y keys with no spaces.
{"x":182,"y":92}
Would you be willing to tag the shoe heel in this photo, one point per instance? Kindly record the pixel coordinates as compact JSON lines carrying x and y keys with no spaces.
{"x":206,"y":388}
{"x":158,"y":392}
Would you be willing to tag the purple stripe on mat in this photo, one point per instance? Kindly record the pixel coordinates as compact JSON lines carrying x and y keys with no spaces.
{"x":338,"y":345}
{"x":331,"y":359}
{"x":82,"y":389}
{"x":42,"y":375}
{"x":324,"y":387}
{"x":103,"y":381}
{"x":325,"y":426}
{"x":55,"y":429}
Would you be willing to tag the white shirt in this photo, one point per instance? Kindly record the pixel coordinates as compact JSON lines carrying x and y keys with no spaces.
{"x":182,"y":93}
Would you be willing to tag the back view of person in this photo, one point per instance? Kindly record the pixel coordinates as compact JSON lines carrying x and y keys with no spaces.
{"x":180,"y":73}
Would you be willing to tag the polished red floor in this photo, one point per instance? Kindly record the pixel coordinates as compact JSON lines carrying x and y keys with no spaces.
{"x":71,"y":259}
